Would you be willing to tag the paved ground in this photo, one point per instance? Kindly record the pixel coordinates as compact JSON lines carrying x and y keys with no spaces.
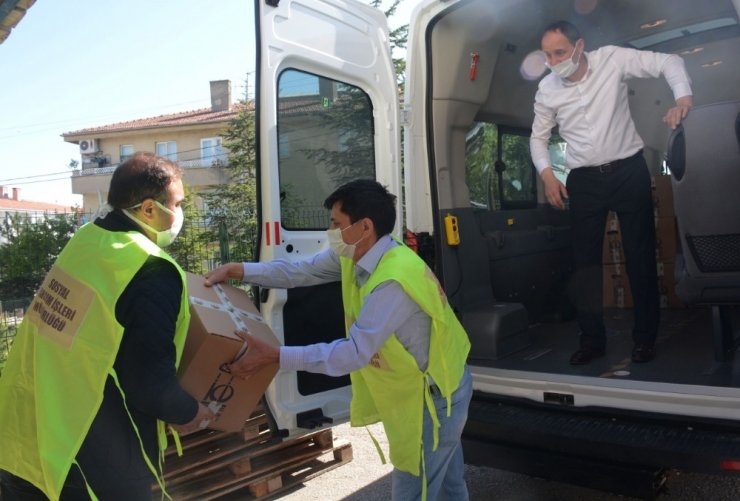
{"x":366,"y":479}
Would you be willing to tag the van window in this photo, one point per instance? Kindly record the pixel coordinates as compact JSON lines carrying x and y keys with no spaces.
{"x":557,"y":157}
{"x":479,"y":146}
{"x":498,"y":167}
{"x":515,"y":183}
{"x":325,"y":136}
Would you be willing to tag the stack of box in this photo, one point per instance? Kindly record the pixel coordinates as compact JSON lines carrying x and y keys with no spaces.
{"x":616,"y":282}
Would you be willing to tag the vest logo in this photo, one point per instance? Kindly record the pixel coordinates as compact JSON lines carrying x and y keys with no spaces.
{"x":379,"y":362}
{"x":60,"y":306}
{"x":430,"y":274}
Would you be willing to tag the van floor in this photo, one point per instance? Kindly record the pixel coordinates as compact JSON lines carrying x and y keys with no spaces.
{"x":685,"y":350}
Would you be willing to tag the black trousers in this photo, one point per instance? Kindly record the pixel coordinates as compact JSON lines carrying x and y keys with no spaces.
{"x":624,"y":187}
{"x":13,"y":488}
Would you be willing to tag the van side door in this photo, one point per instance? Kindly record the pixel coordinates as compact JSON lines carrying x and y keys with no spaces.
{"x":327,"y":113}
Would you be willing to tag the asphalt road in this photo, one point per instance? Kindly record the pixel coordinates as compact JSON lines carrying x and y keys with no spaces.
{"x":366,"y":479}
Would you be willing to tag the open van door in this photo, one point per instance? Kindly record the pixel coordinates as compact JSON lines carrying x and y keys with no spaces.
{"x":327,"y":113}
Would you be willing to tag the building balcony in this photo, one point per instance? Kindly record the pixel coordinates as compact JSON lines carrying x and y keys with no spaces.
{"x":185,"y":164}
{"x":198,"y":174}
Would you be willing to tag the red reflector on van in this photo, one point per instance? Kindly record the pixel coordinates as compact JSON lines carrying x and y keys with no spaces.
{"x":730,"y":464}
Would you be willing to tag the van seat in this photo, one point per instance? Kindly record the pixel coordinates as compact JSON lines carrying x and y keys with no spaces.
{"x":704,"y":158}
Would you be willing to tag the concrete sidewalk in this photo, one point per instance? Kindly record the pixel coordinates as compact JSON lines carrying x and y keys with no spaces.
{"x":365,"y":478}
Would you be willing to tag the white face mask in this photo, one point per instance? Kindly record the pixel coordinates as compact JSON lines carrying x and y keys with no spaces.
{"x":567,"y":67}
{"x":338,"y":245}
{"x":163,"y":237}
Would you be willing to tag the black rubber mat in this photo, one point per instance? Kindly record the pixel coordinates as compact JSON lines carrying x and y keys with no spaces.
{"x":623,"y":438}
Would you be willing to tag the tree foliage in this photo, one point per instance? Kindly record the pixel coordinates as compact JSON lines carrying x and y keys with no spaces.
{"x":232,"y":205}
{"x":398,"y":39}
{"x":28,"y":250}
{"x":191,"y":249}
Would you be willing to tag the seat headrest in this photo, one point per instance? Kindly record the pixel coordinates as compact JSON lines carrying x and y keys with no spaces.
{"x":676,"y":155}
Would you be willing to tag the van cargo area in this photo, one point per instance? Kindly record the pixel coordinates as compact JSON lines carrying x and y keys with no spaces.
{"x":472,"y":204}
{"x":509,"y":271}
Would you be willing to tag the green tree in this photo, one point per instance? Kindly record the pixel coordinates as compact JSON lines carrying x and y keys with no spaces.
{"x":191,"y":249}
{"x":232,"y":206}
{"x":7,"y":334}
{"x":398,"y":40}
{"x":29,"y":249}
{"x":480,"y":149}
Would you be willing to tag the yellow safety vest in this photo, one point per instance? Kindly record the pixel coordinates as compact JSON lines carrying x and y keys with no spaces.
{"x":392,"y":388}
{"x":63,"y":353}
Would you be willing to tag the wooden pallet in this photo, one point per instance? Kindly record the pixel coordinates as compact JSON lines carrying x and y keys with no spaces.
{"x":251,"y":464}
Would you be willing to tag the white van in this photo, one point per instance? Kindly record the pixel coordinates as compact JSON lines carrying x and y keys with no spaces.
{"x":472,"y":204}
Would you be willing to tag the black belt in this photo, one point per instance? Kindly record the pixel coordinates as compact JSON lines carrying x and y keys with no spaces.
{"x":613,"y":165}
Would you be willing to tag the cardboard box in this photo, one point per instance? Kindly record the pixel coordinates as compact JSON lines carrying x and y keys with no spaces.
{"x":216,"y":312}
{"x":613,"y":252}
{"x":667,"y":286}
{"x":617,"y":292}
{"x":616,"y":286}
{"x":663,"y":196}
{"x":665,"y":239}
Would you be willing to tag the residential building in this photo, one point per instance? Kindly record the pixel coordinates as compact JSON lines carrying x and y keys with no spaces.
{"x":11,"y":13}
{"x":11,"y":204}
{"x":192,"y":138}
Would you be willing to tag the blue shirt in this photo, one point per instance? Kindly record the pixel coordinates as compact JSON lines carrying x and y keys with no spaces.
{"x":386,"y":310}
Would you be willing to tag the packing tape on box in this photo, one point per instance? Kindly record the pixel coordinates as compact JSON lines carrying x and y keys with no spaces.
{"x":214,"y":407}
{"x":226,"y":306}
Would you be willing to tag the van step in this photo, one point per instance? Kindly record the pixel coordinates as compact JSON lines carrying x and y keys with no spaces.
{"x":605,"y":435}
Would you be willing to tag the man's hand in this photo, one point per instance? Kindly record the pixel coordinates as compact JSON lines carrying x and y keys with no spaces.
{"x":228,"y":271}
{"x":675,"y":115}
{"x":200,"y":421}
{"x":555,"y":191}
{"x":258,"y":355}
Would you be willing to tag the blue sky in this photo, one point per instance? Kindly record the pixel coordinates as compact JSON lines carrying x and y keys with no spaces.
{"x":76,"y":64}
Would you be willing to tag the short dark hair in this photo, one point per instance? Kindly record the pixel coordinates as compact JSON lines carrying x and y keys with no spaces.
{"x":566,"y":28}
{"x":366,"y":198}
{"x":144,"y":175}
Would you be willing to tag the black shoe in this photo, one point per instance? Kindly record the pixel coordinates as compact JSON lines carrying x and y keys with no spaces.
{"x":585,"y":355}
{"x":642,"y":353}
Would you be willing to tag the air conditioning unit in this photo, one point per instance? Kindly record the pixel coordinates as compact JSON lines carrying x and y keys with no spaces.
{"x":88,"y":146}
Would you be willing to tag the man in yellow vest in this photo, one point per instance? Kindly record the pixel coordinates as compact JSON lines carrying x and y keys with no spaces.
{"x":91,"y":378}
{"x":405,"y":350}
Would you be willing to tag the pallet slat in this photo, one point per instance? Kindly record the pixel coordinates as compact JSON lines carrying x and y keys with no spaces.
{"x":252,"y":462}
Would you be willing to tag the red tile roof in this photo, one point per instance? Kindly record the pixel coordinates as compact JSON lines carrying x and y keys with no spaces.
{"x":193,"y":117}
{"x":12,"y":205}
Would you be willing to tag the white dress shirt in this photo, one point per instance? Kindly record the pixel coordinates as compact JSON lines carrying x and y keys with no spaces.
{"x":593,"y":113}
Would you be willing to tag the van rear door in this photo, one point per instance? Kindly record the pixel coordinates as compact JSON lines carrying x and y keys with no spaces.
{"x":327,"y":113}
